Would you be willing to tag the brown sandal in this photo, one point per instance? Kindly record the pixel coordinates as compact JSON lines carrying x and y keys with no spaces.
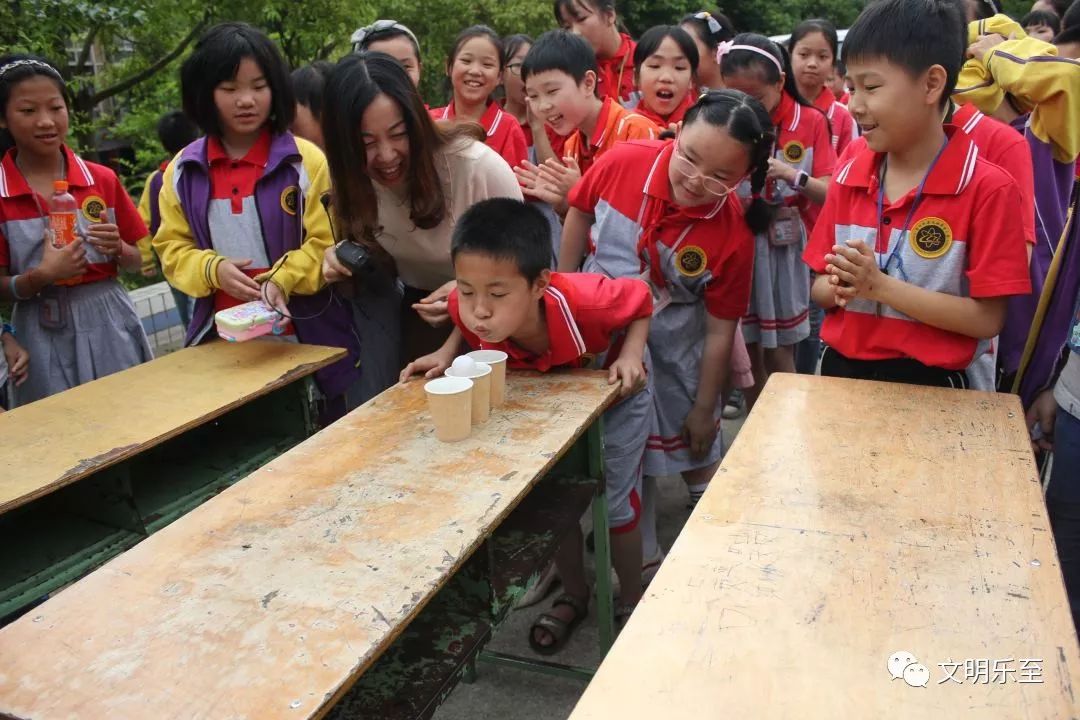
{"x":559,"y":629}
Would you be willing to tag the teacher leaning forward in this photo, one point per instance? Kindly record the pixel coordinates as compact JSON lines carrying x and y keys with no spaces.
{"x":401,"y":181}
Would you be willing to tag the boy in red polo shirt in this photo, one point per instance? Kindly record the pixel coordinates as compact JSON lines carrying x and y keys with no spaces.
{"x":920,"y":241}
{"x":508,"y":299}
{"x":560,"y":77}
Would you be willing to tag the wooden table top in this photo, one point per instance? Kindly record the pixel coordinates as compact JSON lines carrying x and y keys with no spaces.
{"x":270,"y":599}
{"x":849,"y":521}
{"x":63,"y":438}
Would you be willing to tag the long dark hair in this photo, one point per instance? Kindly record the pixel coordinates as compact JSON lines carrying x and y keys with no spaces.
{"x":748,"y":122}
{"x":352,"y":86}
{"x":21,"y":67}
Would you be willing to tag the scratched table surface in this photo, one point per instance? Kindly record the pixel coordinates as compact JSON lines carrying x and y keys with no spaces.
{"x":849,"y":521}
{"x":61,"y":439}
{"x":269,"y":600}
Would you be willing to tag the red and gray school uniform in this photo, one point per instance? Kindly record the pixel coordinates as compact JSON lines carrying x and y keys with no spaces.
{"x":587,"y":316}
{"x":966,"y":238}
{"x":87,"y":328}
{"x":841,"y":124}
{"x":702,"y":256}
{"x":780,"y":293}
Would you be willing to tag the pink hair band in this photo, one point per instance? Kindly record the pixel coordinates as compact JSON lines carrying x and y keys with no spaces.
{"x":729,"y":46}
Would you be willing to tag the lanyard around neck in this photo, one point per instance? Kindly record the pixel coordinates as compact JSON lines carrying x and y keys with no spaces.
{"x":894,"y":255}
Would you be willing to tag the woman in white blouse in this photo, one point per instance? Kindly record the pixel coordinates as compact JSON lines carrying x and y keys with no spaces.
{"x":400,"y":183}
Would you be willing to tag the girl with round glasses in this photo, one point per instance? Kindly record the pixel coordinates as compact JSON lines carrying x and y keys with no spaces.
{"x":667,"y":208}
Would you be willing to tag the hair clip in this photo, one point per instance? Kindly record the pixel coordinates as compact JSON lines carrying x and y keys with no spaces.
{"x":713,"y":23}
{"x":377,"y":28}
{"x":29,"y":62}
{"x":723,"y":49}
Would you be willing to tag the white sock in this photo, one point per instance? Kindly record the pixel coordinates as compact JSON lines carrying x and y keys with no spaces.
{"x":696,"y":491}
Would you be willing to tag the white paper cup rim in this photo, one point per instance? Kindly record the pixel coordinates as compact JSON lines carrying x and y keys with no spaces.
{"x":448,"y":385}
{"x":482,"y":369}
{"x":490,"y":357}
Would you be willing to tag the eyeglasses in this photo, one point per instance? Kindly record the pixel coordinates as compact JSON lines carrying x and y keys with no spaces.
{"x":689,"y":170}
{"x":515,"y":68}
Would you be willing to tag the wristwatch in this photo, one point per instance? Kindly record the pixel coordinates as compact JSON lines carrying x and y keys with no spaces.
{"x":799,"y":183}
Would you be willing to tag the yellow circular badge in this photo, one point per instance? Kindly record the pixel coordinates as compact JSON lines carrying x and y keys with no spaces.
{"x":794,"y":151}
{"x":93,"y":208}
{"x":691,"y":261}
{"x":931,"y":238}
{"x":288,"y":199}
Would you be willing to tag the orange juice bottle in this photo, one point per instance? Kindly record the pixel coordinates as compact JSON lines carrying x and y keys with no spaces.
{"x":63,"y":214}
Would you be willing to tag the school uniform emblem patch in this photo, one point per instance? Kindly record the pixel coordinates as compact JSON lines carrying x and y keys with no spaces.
{"x":93,"y":208}
{"x":691,"y":261}
{"x":289,"y":199}
{"x":931,"y":238}
{"x":794,"y":151}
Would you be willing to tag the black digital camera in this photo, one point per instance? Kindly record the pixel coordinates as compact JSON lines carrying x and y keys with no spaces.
{"x":355,"y":257}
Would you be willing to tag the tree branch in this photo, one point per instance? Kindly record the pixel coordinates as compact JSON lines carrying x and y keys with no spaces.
{"x":148,"y":72}
{"x":84,"y":54}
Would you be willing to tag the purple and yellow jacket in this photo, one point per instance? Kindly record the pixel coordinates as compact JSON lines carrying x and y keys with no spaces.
{"x":1030,"y":72}
{"x":285,"y":221}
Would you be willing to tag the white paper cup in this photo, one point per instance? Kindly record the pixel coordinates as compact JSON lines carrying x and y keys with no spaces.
{"x":497,"y":360}
{"x":481,"y":392}
{"x":450,"y":403}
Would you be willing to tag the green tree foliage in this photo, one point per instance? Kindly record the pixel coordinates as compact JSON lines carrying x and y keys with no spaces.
{"x":143,"y":42}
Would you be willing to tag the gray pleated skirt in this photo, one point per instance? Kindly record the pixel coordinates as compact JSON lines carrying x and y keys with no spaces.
{"x":75,"y":335}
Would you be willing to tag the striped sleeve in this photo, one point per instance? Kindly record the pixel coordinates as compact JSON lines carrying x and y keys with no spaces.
{"x":1047,"y":83}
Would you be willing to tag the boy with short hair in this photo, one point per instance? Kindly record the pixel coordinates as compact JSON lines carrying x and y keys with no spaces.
{"x":920,"y":241}
{"x":508,"y":299}
{"x":560,"y":75}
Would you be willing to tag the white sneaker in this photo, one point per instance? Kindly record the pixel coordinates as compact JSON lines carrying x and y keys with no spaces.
{"x":541,"y":589}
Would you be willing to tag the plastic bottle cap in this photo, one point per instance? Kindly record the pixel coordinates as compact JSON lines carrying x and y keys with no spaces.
{"x":60,"y":185}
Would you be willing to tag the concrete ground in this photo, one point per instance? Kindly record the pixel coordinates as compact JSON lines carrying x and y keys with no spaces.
{"x":505,"y":692}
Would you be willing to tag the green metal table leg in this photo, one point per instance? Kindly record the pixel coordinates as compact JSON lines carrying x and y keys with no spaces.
{"x":605,"y":603}
{"x":468,"y":675}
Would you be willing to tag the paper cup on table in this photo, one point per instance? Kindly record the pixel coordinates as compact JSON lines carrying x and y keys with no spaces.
{"x":450,"y":403}
{"x":480,"y":374}
{"x":497,"y":360}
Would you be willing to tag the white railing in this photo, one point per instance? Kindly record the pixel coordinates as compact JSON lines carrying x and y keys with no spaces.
{"x":159,"y":316}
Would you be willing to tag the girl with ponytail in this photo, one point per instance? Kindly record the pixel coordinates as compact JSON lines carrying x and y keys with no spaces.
{"x":783,"y":200}
{"x":671,"y":209}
